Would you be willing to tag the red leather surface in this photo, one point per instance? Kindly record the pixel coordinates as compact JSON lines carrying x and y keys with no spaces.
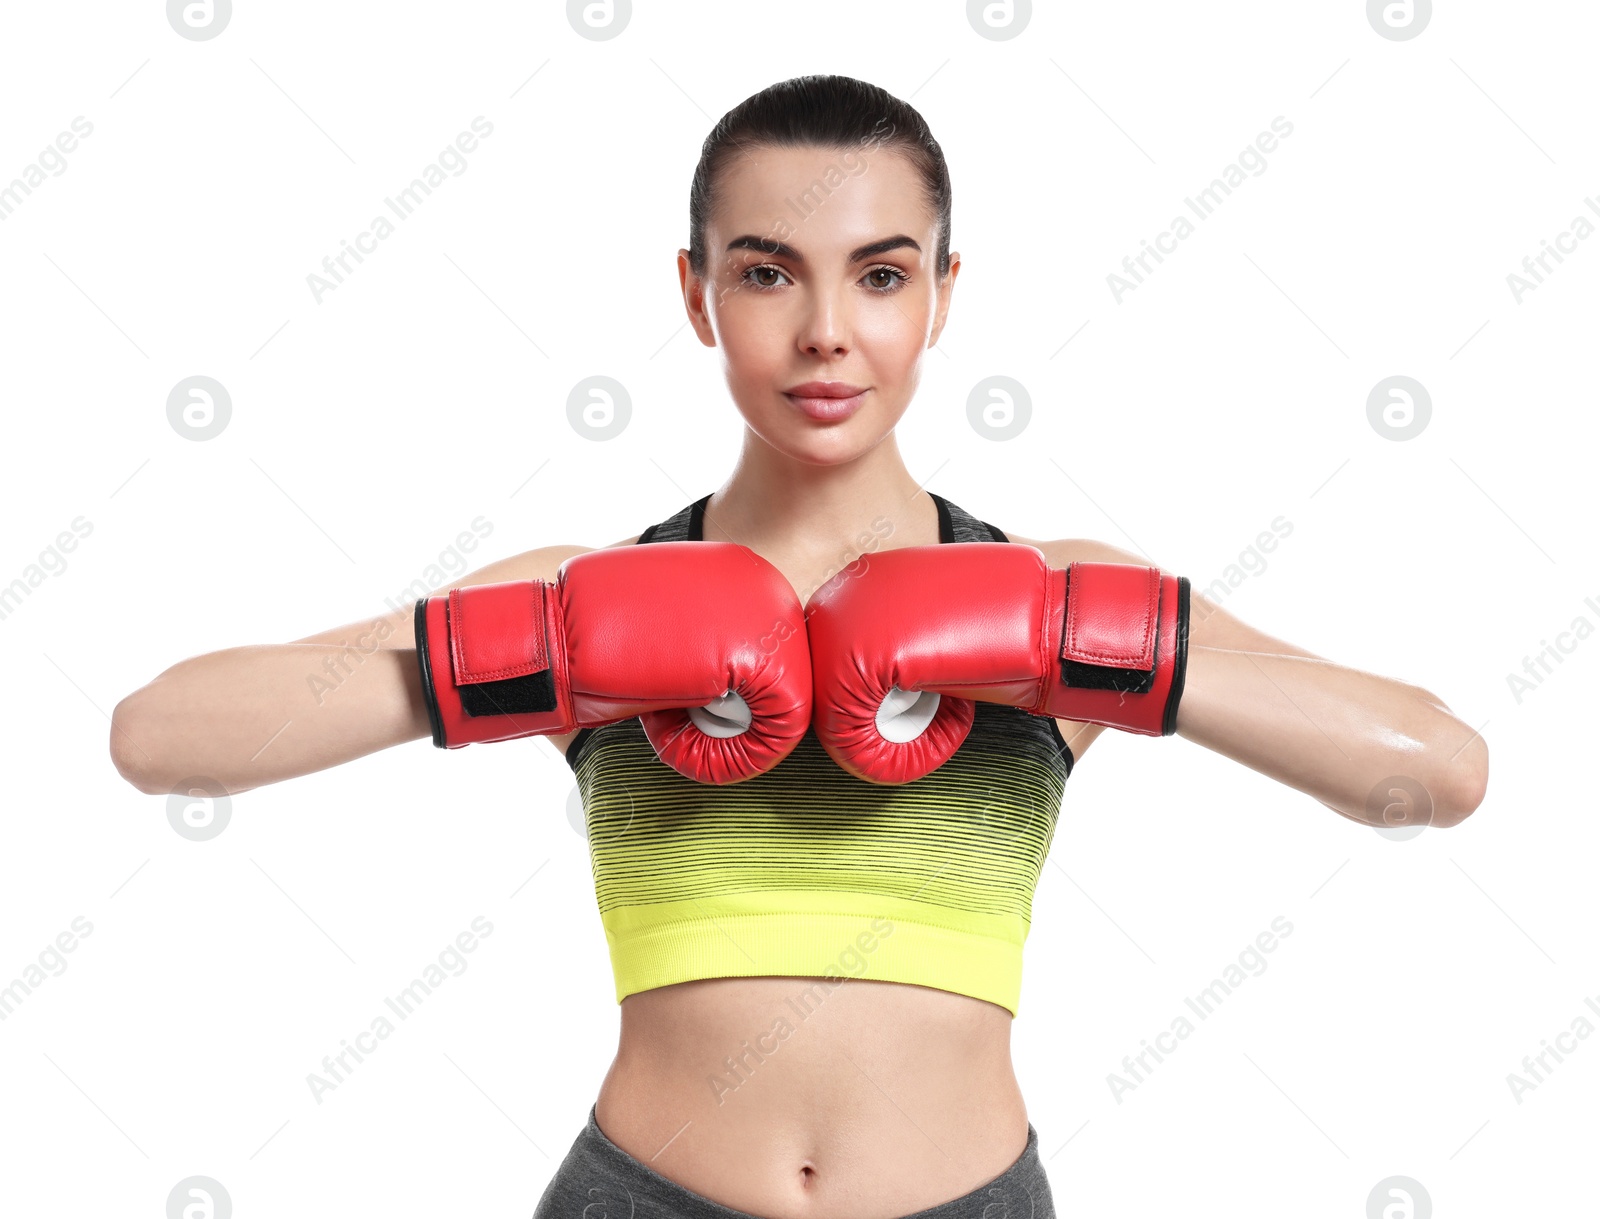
{"x":1139,"y":713}
{"x":499,"y":631}
{"x":983,"y":621}
{"x":638,"y":630}
{"x":1111,"y":614}
{"x":965,"y":621}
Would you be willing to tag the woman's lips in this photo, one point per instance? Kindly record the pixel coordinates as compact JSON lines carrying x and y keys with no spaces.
{"x":828,"y":410}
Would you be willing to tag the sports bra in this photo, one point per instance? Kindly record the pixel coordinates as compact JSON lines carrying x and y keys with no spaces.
{"x":807,"y":870}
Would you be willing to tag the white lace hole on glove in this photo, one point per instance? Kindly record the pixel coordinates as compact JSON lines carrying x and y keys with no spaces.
{"x":905,"y":714}
{"x":726,"y":716}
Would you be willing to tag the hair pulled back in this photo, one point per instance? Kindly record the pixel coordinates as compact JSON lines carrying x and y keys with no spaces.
{"x":825,"y":112}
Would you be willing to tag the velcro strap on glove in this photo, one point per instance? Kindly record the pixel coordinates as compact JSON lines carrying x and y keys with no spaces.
{"x":499,"y":657}
{"x":1108,"y":638}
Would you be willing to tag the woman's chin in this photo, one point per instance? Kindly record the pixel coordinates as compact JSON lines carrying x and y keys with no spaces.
{"x":833,"y":446}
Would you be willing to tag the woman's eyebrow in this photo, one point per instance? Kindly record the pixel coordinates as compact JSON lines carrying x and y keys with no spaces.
{"x":779,"y":249}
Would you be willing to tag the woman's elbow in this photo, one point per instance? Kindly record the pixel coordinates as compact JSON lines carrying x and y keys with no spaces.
{"x":1463,"y":777}
{"x":131,"y":742}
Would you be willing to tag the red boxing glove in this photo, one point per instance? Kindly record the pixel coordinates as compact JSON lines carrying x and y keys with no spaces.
{"x":900,"y":650}
{"x":703,"y":641}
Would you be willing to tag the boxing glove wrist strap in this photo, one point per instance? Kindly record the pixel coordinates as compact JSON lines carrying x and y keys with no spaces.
{"x":1124,"y":647}
{"x":485,"y":657}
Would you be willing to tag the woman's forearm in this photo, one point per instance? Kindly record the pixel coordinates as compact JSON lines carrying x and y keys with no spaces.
{"x":259,"y":714}
{"x":1332,"y":732}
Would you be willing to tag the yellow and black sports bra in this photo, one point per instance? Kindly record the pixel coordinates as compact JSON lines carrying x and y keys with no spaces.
{"x":806,"y":870}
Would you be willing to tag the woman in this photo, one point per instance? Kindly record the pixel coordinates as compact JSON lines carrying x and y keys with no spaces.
{"x":881,"y":1085}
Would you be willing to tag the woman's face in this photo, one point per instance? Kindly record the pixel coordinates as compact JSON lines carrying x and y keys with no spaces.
{"x":820,"y":280}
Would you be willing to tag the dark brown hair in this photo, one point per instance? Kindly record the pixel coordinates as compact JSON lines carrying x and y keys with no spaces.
{"x":825,"y":112}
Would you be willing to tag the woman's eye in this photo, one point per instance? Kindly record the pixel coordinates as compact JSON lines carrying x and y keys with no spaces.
{"x":756,"y":275}
{"x":896,"y":277}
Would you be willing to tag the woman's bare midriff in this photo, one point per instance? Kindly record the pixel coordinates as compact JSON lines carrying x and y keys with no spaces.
{"x":792,"y":1097}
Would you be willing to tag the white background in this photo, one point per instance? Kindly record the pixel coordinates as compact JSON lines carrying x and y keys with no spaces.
{"x":371,"y":428}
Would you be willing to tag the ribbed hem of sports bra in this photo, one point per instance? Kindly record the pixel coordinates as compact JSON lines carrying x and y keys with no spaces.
{"x":805,"y":944}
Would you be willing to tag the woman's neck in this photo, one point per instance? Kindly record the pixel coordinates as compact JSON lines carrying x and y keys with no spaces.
{"x":774,"y":503}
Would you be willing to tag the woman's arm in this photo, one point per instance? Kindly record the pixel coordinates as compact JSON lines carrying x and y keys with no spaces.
{"x":1336,"y":733}
{"x":262,"y":713}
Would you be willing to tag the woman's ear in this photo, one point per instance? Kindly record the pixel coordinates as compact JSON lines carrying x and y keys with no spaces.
{"x":694,"y":300}
{"x":942,"y":307}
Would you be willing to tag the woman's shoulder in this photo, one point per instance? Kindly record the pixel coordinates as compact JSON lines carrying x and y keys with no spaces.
{"x":539,"y":563}
{"x":1058,"y":552}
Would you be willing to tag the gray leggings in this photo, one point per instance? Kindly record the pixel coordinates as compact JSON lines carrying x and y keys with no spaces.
{"x":599,"y":1180}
